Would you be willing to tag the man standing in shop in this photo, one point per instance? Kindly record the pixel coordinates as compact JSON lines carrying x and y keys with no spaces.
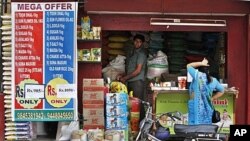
{"x":136,"y":60}
{"x":135,"y":68}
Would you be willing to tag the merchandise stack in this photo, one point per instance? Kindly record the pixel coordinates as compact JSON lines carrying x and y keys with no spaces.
{"x":116,"y":117}
{"x":195,"y":51}
{"x":222,"y":56}
{"x":176,"y":46}
{"x":93,"y":103}
{"x":156,"y":42}
{"x":157,"y":61}
{"x":6,"y":49}
{"x":210,"y":41}
{"x":116,"y":44}
{"x":13,"y":130}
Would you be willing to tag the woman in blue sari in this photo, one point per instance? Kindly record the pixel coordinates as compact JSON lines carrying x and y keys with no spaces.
{"x":201,"y":93}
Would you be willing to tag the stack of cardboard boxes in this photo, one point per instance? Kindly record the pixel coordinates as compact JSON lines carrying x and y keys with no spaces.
{"x":116,"y":117}
{"x":93,"y":103}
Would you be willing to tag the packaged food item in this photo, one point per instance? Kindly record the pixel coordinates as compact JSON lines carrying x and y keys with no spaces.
{"x":182,"y":82}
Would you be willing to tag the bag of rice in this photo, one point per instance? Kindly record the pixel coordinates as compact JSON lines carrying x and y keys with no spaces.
{"x":5,"y":27}
{"x":6,"y":17}
{"x":117,"y":38}
{"x":116,"y":45}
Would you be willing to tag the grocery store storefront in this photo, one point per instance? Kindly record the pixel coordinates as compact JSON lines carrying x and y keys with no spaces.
{"x":125,"y":16}
{"x":136,"y":16}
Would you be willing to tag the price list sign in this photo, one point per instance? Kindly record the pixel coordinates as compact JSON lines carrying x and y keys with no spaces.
{"x":44,"y":84}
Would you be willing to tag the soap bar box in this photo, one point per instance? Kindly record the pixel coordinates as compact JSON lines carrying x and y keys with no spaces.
{"x":116,"y":99}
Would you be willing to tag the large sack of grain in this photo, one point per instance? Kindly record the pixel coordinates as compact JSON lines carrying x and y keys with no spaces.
{"x":116,"y":52}
{"x":118,"y":38}
{"x":157,"y":65}
{"x":156,"y":71}
{"x":116,"y":45}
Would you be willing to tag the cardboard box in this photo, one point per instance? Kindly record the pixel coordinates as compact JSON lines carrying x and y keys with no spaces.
{"x":116,"y":99}
{"x":116,"y":111}
{"x":96,"y":106}
{"x":93,"y":82}
{"x":92,"y":102}
{"x":93,"y":122}
{"x":93,"y":97}
{"x":93,"y":88}
{"x":93,"y":110}
{"x":117,"y":123}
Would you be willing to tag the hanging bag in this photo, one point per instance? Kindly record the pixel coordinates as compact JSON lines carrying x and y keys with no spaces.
{"x":216,"y":114}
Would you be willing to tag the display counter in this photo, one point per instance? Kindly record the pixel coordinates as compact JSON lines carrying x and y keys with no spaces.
{"x":176,"y":100}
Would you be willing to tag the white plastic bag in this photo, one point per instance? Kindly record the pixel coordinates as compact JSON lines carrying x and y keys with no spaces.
{"x":110,"y":72}
{"x":118,"y":63}
{"x":157,"y":65}
{"x":115,"y":67}
{"x":66,"y":130}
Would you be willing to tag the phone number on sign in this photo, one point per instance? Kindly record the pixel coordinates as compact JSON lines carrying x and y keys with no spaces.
{"x":51,"y":115}
{"x":28,"y":115}
{"x":63,"y":115}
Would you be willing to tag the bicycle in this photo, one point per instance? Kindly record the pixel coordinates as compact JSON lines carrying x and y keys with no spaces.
{"x":147,"y":124}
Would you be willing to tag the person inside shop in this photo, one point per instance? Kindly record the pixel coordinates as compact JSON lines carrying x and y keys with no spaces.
{"x":203,"y":89}
{"x":135,"y":69}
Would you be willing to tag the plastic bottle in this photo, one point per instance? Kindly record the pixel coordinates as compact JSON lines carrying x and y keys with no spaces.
{"x":131,"y":94}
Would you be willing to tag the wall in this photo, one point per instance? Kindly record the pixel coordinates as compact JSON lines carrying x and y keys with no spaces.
{"x":142,"y":23}
{"x":237,"y":64}
{"x":170,"y":6}
{"x":248,"y":68}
